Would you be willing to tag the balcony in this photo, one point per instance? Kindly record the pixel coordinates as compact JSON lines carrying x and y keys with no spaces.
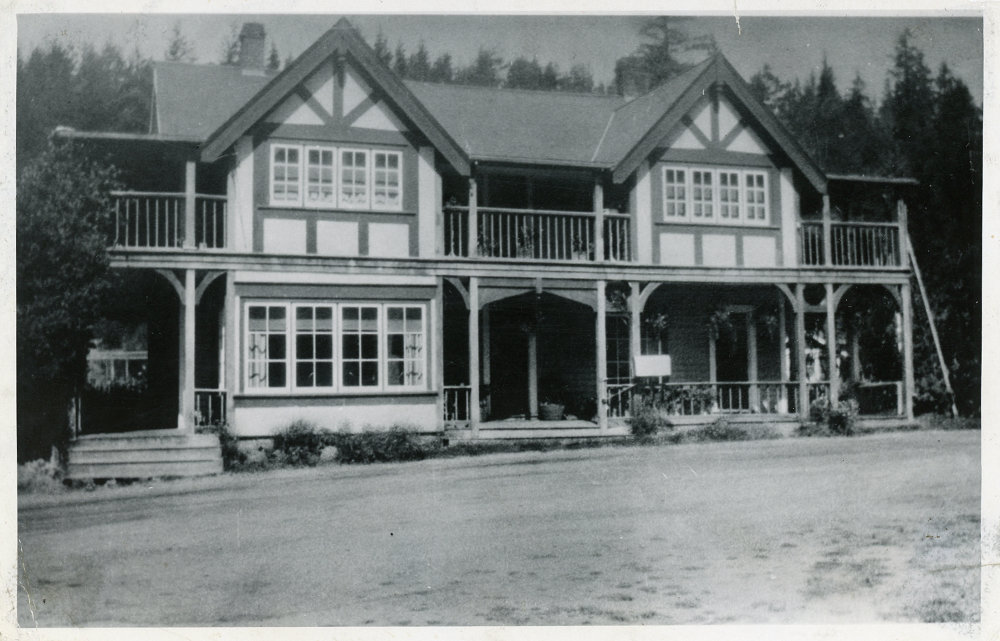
{"x":537,"y":235}
{"x":851,"y":244}
{"x":162,"y":220}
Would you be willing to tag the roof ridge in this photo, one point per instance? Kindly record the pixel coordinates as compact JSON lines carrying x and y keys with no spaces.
{"x":534,"y":92}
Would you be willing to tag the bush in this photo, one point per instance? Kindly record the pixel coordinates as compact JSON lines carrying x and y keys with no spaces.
{"x":232,"y":457}
{"x":838,"y":420}
{"x":723,"y":430}
{"x":300,"y":444}
{"x":647,"y":419}
{"x":39,"y":476}
{"x":396,"y":444}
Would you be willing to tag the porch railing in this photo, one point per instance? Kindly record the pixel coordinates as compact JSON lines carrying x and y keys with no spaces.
{"x":456,"y":404}
{"x":535,"y":234}
{"x":880,"y":399}
{"x":209,"y":407}
{"x":852,"y":244}
{"x":702,"y":398}
{"x":148,"y":219}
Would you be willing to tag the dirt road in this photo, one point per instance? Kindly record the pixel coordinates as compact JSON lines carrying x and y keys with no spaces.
{"x":877,"y":528}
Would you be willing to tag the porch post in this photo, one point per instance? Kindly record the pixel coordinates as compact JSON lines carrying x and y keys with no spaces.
{"x":831,"y":345}
{"x":189,"y":204}
{"x":827,"y":232}
{"x":855,"y":342}
{"x":230,"y":376}
{"x":185,"y":418}
{"x":438,"y":340}
{"x":800,"y":348}
{"x":754,"y":392}
{"x":533,"y":373}
{"x":598,"y":219}
{"x":782,"y":353}
{"x":635,"y":326}
{"x":474,"y":354}
{"x":907,"y":312}
{"x":473,"y":218}
{"x":602,"y":356}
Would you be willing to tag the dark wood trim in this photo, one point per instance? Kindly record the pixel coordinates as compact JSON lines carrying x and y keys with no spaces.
{"x":716,"y":157}
{"x":333,"y":292}
{"x":313,"y":104}
{"x":358,"y":110}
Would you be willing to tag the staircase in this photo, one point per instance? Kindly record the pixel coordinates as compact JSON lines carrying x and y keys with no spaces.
{"x":145,"y":454}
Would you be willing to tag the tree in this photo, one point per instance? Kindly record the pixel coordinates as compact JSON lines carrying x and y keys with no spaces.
{"x":665,"y":55}
{"x":768,"y":88}
{"x":400,"y":63}
{"x":550,"y":77}
{"x":524,"y":74}
{"x":441,"y":70}
{"x":230,"y":48}
{"x":179,"y":49}
{"x":420,"y":64}
{"x":908,"y":105}
{"x":273,"y":59}
{"x":577,"y":80}
{"x":41,"y":99}
{"x":485,"y":71}
{"x":63,"y":220}
{"x":381,"y":48}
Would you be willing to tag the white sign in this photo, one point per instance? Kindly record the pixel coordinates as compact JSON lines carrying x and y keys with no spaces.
{"x":651,"y":365}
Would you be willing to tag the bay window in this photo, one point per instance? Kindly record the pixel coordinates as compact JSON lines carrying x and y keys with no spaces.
{"x":333,"y":177}
{"x":715,"y":195}
{"x":327,"y":347}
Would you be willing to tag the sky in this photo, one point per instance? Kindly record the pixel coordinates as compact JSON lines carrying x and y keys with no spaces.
{"x":793,"y":46}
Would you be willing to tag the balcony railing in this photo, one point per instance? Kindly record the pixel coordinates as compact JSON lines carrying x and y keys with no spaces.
{"x":209,"y":407}
{"x":147,"y":219}
{"x":856,"y":244}
{"x":698,"y":399}
{"x":534,"y":234}
{"x":456,"y":405}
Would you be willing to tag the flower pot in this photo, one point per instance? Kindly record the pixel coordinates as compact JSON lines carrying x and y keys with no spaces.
{"x":551,"y":411}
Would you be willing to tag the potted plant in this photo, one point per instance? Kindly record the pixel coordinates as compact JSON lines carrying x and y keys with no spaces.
{"x":553,"y":405}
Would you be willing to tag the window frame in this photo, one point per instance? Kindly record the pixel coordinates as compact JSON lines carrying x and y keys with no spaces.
{"x":367,"y":174}
{"x":375,"y":152}
{"x":291,"y":359}
{"x":716,"y":202}
{"x":275,"y":147}
{"x":306,"y":165}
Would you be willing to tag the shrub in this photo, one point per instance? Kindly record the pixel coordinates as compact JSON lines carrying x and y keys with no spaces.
{"x":838,"y":420}
{"x":300,"y":444}
{"x":396,"y":444}
{"x":39,"y":476}
{"x":647,"y":418}
{"x":722,"y":430}
{"x":232,"y":457}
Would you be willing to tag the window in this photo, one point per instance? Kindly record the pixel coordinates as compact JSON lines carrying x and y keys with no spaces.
{"x":328,"y":347}
{"x":329,"y":177}
{"x":266,"y":347}
{"x":285,"y":175}
{"x":405,"y":346}
{"x":314,"y":346}
{"x":319,"y":177}
{"x":723,"y":196}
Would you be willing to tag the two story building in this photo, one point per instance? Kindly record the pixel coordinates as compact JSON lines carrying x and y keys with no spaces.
{"x":335,"y":244}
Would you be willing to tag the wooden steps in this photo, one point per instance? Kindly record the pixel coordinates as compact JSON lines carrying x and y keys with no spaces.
{"x":144,"y":454}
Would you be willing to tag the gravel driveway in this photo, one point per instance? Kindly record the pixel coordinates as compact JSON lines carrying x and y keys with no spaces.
{"x":825,"y":530}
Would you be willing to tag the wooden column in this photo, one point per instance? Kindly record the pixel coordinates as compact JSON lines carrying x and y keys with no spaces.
{"x":782,"y":353}
{"x":473,"y":218}
{"x":598,"y":219}
{"x":189,"y":204}
{"x":185,"y":413}
{"x":754,"y":393}
{"x":602,"y":356}
{"x":800,"y":348}
{"x":902,"y":218}
{"x":484,"y":338}
{"x":230,"y":376}
{"x":907,"y":312}
{"x":831,"y":345}
{"x":533,"y":373}
{"x":474,"y":355}
{"x":855,"y":343}
{"x":437,"y":329}
{"x":827,"y":232}
{"x":635,"y":324}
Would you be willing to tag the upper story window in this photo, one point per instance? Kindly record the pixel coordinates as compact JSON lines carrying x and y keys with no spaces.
{"x":330,"y":177}
{"x":712,"y":195}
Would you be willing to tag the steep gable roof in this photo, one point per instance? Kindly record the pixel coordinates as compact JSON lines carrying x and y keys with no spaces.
{"x":341,"y":39}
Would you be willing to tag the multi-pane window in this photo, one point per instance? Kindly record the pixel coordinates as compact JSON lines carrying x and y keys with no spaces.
{"x":729,"y":195}
{"x":386,"y":179}
{"x":404,"y":334}
{"x":285,"y":174}
{"x":353,"y":178}
{"x":756,"y":195}
{"x":359,"y":334}
{"x":314,"y":346}
{"x":329,"y":177}
{"x":319,"y":177}
{"x":722,"y":196}
{"x":702,"y":194}
{"x":675,"y":193}
{"x":329,"y":347}
{"x":267,"y":342}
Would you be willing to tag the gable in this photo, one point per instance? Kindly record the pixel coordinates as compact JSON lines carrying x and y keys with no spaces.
{"x":715,"y":124}
{"x":312,"y":90}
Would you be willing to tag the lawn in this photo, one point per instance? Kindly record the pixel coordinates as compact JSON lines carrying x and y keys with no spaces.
{"x":824,"y":530}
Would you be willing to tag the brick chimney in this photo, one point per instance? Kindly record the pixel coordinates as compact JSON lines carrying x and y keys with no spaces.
{"x":252,"y":48}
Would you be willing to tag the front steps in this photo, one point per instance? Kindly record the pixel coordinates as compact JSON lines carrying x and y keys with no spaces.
{"x":153,"y":453}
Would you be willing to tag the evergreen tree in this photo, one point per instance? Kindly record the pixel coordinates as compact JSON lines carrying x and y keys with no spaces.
{"x":578,"y":80}
{"x":441,"y":70}
{"x":381,"y":48}
{"x":420,"y":64}
{"x":768,"y":88}
{"x":908,"y":107}
{"x":230,"y":48}
{"x":550,"y":78}
{"x":667,"y":54}
{"x":273,"y":59}
{"x":485,"y":71}
{"x":179,"y":49}
{"x":400,"y":62}
{"x":524,"y":74}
